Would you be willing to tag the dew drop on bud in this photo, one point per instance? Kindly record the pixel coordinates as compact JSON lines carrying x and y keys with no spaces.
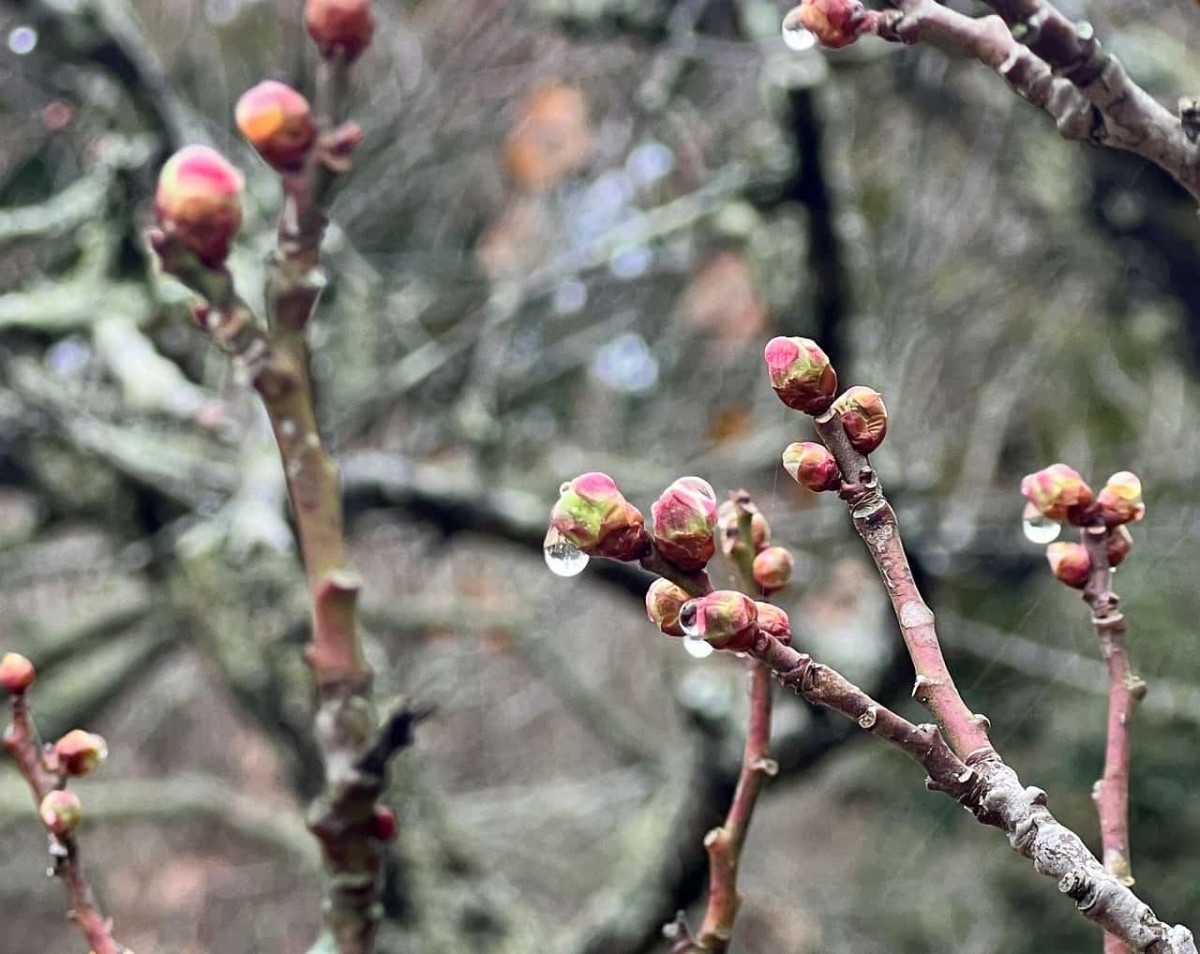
{"x":696,"y":647}
{"x":1038,"y":527}
{"x":562,"y":556}
{"x":797,"y":38}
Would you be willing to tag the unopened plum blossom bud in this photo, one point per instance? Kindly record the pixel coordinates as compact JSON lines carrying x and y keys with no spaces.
{"x":773,"y":568}
{"x":1120,"y":500}
{"x":663,"y":602}
{"x":835,"y":23}
{"x":79,"y":752}
{"x":384,"y":824}
{"x":801,"y":374}
{"x":345,"y":25}
{"x":724,"y":618}
{"x":863,"y":417}
{"x":16,"y":673}
{"x":277,"y":122}
{"x":198,"y":202}
{"x":594,"y":516}
{"x":61,"y":812}
{"x":1058,"y":492}
{"x":812,"y":466}
{"x":774,"y":622}
{"x":1070,"y":564}
{"x":1118,"y":545}
{"x":727,"y":523}
{"x":684,"y":518}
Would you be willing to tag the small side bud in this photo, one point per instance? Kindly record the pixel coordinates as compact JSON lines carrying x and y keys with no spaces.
{"x":773,"y":568}
{"x":684,"y":518}
{"x":384,"y":824}
{"x":801,"y":374}
{"x":594,"y":516}
{"x":812,"y":466}
{"x":198,"y":202}
{"x":724,"y":618}
{"x":345,"y":25}
{"x":1120,"y":500}
{"x":774,"y":622}
{"x":1118,"y":545}
{"x":1070,"y":564}
{"x":61,"y":812}
{"x":1058,"y":492}
{"x":835,"y":23}
{"x":863,"y":417}
{"x":79,"y":752}
{"x":277,"y":122}
{"x":664,"y":600}
{"x":727,"y":523}
{"x":16,"y":674}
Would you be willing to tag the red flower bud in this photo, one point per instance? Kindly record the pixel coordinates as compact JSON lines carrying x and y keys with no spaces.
{"x":774,"y":622}
{"x":345,"y":25}
{"x":1058,"y":492}
{"x":384,"y":825}
{"x":592,"y":513}
{"x":663,"y":601}
{"x":724,"y":618}
{"x":79,"y":752}
{"x":835,"y":23}
{"x":685,"y":516}
{"x":812,"y":466}
{"x":1118,"y":545}
{"x":727,"y":523}
{"x":863,"y":417}
{"x":277,"y":122}
{"x":16,"y":673}
{"x":1070,"y":564}
{"x":1120,"y":500}
{"x":801,"y":374}
{"x":61,"y":812}
{"x":198,"y":202}
{"x":773,"y":568}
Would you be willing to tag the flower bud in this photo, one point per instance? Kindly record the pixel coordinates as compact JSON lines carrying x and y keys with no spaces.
{"x":684,"y":517}
{"x":801,"y":374}
{"x":1120,"y":500}
{"x":663,"y":601}
{"x":774,"y":622}
{"x":1058,"y":492}
{"x":1118,"y":545}
{"x":835,"y":23}
{"x":345,"y":25}
{"x":384,"y":824}
{"x":773,"y":568}
{"x":727,"y":523}
{"x":863,"y":417}
{"x":198,"y":202}
{"x":1070,"y":564}
{"x":724,"y":618}
{"x":277,"y":122}
{"x":812,"y":466}
{"x":61,"y":812}
{"x":16,"y":673}
{"x":79,"y":752}
{"x":594,"y":516}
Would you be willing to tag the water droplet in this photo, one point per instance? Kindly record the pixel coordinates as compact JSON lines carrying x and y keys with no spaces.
{"x":696,"y":647}
{"x":795,"y":37}
{"x":564,"y":487}
{"x":23,"y":40}
{"x":562,"y":556}
{"x":1039,"y":528}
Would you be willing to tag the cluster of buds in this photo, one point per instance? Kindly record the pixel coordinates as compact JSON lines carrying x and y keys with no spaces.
{"x":594,"y":516}
{"x":834,"y":23}
{"x":684,"y":518}
{"x":771,"y":567}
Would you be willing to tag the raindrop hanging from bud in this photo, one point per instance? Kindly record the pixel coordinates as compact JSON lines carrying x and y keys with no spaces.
{"x":697,"y":648}
{"x":563,"y":557}
{"x":1039,"y":528}
{"x":795,"y":37}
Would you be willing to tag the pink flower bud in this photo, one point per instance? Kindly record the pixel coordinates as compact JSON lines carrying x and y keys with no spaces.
{"x":277,"y":122}
{"x":663,"y":601}
{"x":835,"y":23}
{"x":1070,"y":564}
{"x":774,"y":622}
{"x":79,"y":752}
{"x":727,"y":523}
{"x":801,"y":374}
{"x":773,"y":568}
{"x":16,"y":673}
{"x":592,"y":513}
{"x":198,"y":202}
{"x":812,"y":466}
{"x":685,"y":516}
{"x":61,"y":812}
{"x":345,"y":25}
{"x":384,"y":824}
{"x":1118,"y":545}
{"x":1058,"y":492}
{"x":1120,"y":500}
{"x":863,"y":417}
{"x":724,"y":618}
